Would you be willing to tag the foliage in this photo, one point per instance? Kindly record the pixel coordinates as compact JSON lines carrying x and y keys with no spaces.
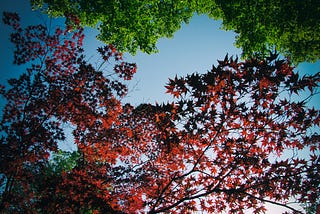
{"x":241,"y":117}
{"x":290,"y":27}
{"x":58,"y":87}
{"x":62,"y":161}
{"x":231,"y":140}
{"x":312,"y":208}
{"x":129,"y":25}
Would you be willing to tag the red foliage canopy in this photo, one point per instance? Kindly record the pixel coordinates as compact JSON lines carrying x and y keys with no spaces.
{"x":230,"y":141}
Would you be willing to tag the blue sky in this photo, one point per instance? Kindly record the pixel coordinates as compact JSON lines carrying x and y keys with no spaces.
{"x":194,"y":48}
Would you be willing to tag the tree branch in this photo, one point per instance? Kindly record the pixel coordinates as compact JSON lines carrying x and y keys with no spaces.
{"x":272,"y":202}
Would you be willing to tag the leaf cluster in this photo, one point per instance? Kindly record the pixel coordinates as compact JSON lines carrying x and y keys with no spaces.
{"x":129,"y":25}
{"x":292,"y":27}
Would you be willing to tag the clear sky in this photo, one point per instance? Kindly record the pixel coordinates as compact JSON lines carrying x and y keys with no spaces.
{"x":194,"y":48}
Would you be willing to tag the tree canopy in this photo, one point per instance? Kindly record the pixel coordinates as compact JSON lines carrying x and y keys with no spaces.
{"x":221,"y":145}
{"x":58,"y":87}
{"x":290,"y":27}
{"x":129,"y":25}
